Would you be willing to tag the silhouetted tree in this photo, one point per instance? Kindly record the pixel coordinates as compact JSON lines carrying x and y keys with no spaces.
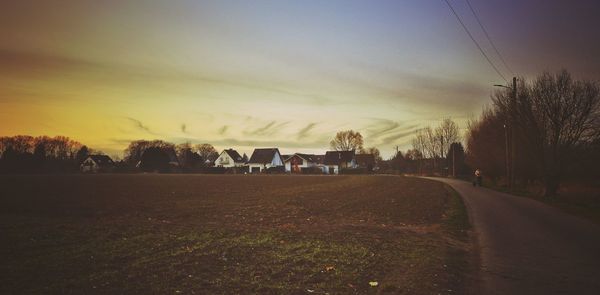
{"x":419,"y":146}
{"x":347,"y":140}
{"x":82,"y":154}
{"x":25,"y":154}
{"x":154,"y":159}
{"x":398,"y":162}
{"x":558,"y":116}
{"x":446,"y":133}
{"x":432,"y":146}
{"x":486,"y":144}
{"x":372,"y":151}
{"x":456,"y":159}
{"x":135,"y":150}
{"x":187,"y":157}
{"x":208,"y":153}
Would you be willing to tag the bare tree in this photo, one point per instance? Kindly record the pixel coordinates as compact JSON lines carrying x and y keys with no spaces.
{"x":373,"y":151}
{"x":557,"y":115}
{"x":135,"y":150}
{"x":346,"y":141}
{"x":186,"y":156}
{"x":485,"y":144}
{"x":24,"y":153}
{"x":207,"y":152}
{"x":447,"y":133}
{"x":419,"y":144}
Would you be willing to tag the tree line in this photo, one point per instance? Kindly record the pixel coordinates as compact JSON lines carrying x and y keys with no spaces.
{"x":545,"y":132}
{"x":435,"y":150}
{"x":41,"y":154}
{"x":60,"y":154}
{"x":350,"y":140}
{"x":156,"y":155}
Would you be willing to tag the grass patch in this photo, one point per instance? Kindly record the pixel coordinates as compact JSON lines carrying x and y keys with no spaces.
{"x":457,"y":218}
{"x":457,"y":257}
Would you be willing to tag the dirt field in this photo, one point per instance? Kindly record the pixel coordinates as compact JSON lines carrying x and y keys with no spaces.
{"x":202,"y":234}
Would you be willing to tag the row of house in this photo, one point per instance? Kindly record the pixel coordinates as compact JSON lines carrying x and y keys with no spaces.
{"x":265,"y":159}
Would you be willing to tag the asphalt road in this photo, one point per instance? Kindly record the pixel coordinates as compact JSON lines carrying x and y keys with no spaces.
{"x":527,"y":247}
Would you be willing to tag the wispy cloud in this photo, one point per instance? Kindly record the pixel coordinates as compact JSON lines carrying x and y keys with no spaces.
{"x":139,"y":125}
{"x":385,"y":131}
{"x":223,"y":130}
{"x":269,"y":129}
{"x":234,"y":142}
{"x":304,"y":132}
{"x":397,"y":137}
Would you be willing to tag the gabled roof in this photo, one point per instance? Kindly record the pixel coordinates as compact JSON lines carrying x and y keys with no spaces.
{"x":337,"y":157}
{"x":364,"y":160}
{"x":262,"y":156}
{"x":102,"y":160}
{"x":308,"y":157}
{"x":234,"y":155}
{"x":319,"y":159}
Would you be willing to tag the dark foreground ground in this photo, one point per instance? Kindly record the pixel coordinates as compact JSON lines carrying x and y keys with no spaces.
{"x":196,"y":234}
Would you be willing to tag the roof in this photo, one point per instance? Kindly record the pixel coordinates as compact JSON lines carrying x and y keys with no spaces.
{"x":365,"y":159}
{"x":102,"y":160}
{"x":319,"y":159}
{"x":234,"y":155}
{"x":337,"y":157}
{"x":262,"y":156}
{"x":308,"y":157}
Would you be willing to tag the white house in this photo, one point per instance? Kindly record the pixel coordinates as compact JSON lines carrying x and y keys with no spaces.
{"x":297,"y":161}
{"x":229,"y":158}
{"x":97,"y":163}
{"x":336,"y":160}
{"x":262,"y":159}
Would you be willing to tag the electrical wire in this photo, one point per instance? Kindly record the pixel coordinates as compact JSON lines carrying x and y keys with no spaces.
{"x":475,"y":41}
{"x":488,"y":37}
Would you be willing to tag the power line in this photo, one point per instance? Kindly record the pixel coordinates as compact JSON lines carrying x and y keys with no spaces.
{"x":474,"y":41}
{"x":488,"y":37}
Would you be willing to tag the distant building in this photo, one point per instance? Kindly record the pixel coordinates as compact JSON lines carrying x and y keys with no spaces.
{"x":297,"y":162}
{"x":229,"y":158}
{"x":262,"y":159}
{"x":337,"y":160}
{"x":96,"y":164}
{"x":366,"y":161}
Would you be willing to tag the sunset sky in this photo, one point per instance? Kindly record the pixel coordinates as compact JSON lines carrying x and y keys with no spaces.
{"x":287,"y":74}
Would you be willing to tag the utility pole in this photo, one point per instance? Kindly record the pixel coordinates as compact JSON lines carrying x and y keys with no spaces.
{"x":506,"y":157}
{"x":395,"y":164}
{"x":453,"y":147}
{"x":441,"y":154}
{"x":513,"y":133}
{"x":510,"y":169}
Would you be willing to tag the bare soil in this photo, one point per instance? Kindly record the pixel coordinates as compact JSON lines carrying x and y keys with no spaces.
{"x":230,"y":234}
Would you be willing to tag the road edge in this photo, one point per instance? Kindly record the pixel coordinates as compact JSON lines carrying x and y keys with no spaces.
{"x":472,"y":279}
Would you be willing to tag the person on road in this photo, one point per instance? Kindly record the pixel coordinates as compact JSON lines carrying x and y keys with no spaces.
{"x":477,"y":181}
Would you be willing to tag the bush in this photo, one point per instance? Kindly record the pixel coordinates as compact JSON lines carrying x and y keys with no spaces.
{"x":214,"y":170}
{"x":237,"y":170}
{"x":275,"y":170}
{"x":354,"y":171}
{"x":311,"y":170}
